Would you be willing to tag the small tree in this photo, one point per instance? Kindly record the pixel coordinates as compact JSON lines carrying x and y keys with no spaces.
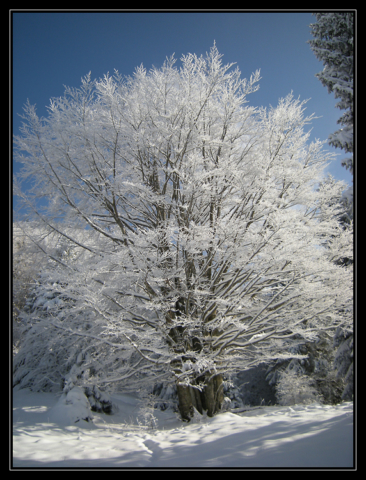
{"x":210,"y":253}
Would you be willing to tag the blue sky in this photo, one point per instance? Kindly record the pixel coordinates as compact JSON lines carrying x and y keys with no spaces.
{"x":53,"y":49}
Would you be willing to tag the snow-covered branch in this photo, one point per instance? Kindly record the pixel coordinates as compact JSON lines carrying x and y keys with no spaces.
{"x":205,"y":227}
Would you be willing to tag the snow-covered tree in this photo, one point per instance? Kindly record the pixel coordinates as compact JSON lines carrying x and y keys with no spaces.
{"x":213,"y":229}
{"x":27,"y":262}
{"x":293,"y":387}
{"x":60,"y":348}
{"x":333,"y":44}
{"x":296,"y":379}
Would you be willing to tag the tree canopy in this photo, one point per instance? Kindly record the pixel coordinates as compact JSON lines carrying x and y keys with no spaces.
{"x":203,"y":239}
{"x":333,"y":44}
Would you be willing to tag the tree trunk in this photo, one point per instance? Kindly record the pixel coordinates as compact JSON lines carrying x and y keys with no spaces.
{"x":185,"y":401}
{"x":209,"y":399}
{"x":213,"y":395}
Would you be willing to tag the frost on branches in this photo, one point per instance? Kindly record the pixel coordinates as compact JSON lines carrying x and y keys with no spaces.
{"x":333,"y":44}
{"x":206,"y":245}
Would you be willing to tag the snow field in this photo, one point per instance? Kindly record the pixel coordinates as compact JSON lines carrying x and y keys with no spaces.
{"x":310,"y":436}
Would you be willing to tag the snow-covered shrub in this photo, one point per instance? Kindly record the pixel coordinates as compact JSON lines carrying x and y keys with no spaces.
{"x":317,"y":368}
{"x":64,"y":346}
{"x":48,"y":354}
{"x":226,"y":404}
{"x":71,"y":408}
{"x":294,"y":387}
{"x":147,"y":405}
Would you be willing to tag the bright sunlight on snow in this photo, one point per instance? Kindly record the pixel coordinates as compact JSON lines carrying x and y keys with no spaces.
{"x":45,"y":435}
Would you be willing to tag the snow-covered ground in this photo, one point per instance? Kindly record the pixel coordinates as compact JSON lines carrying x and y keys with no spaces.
{"x":45,"y":435}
